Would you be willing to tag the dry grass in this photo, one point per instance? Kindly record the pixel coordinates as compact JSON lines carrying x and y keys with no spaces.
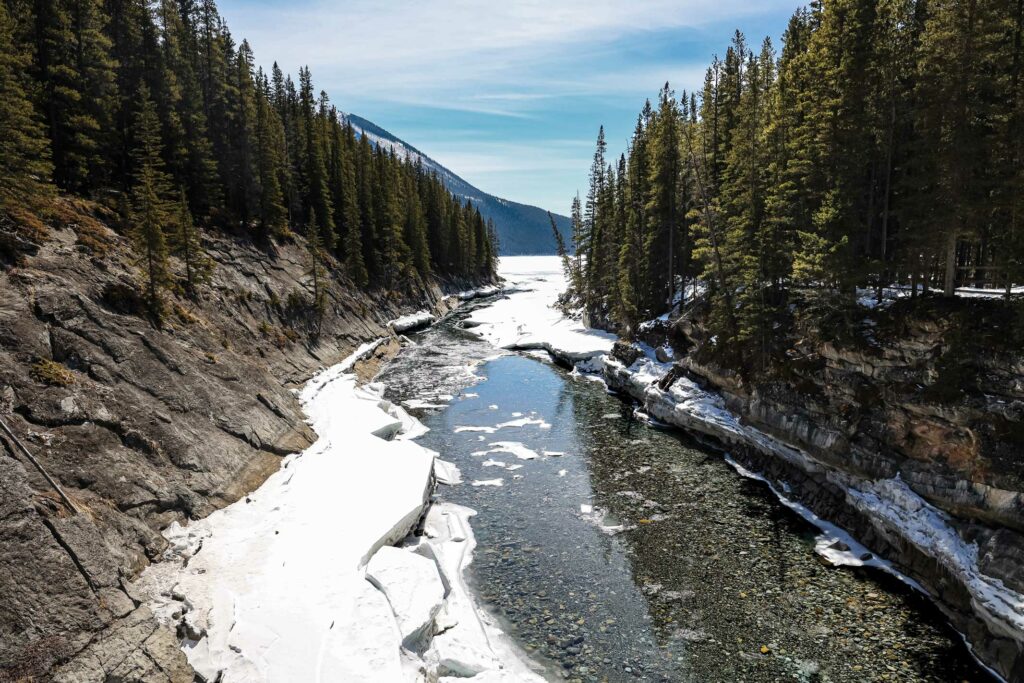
{"x":52,"y":373}
{"x":86,"y":218}
{"x":184,"y":315}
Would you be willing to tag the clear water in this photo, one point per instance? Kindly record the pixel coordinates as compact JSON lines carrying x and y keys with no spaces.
{"x":679,"y":570}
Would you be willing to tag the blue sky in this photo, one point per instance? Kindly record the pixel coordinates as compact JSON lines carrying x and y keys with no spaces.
{"x":507,"y":94}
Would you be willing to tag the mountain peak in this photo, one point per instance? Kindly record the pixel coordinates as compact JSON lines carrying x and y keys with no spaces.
{"x":522,"y":228}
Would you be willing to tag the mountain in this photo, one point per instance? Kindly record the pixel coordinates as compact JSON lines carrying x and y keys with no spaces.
{"x":522,"y":229}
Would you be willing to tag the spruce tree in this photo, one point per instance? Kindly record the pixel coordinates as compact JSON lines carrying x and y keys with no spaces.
{"x":348,"y":211}
{"x":188,"y":246}
{"x":75,"y":70}
{"x":663,"y":206}
{"x":149,"y":205}
{"x":193,"y":164}
{"x":270,"y":165}
{"x":632,"y":266}
{"x":25,"y":168}
{"x":315,"y":170}
{"x":590,"y":227}
{"x":316,"y":249}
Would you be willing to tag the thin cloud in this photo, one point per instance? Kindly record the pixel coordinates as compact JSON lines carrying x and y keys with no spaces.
{"x":508,"y":95}
{"x":387,"y":49}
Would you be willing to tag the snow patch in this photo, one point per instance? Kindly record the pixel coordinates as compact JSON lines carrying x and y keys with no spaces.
{"x":413,"y":321}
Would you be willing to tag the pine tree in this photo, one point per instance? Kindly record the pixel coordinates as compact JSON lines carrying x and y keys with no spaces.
{"x":415,"y":230}
{"x":590,"y":227}
{"x":664,"y":209}
{"x":316,"y":249}
{"x":149,"y":204}
{"x":1010,"y":149}
{"x":133,"y":44}
{"x":574,"y":267}
{"x":315,"y":170}
{"x":348,"y":211}
{"x":75,"y":70}
{"x":188,"y":246}
{"x":25,"y":168}
{"x":632,"y":270}
{"x":193,"y":163}
{"x":270,"y":165}
{"x":834,"y":146}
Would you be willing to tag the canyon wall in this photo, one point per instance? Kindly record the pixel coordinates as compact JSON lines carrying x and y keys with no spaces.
{"x":905,"y":426}
{"x":141,"y":425}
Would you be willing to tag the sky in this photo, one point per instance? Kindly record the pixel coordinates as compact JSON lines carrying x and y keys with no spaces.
{"x":507,"y":94}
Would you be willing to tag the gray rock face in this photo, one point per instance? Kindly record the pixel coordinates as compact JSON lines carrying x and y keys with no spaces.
{"x":625,"y":352}
{"x":142,"y":426}
{"x":912,"y":398}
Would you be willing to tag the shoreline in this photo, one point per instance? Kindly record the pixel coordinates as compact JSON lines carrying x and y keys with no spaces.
{"x":885,"y":515}
{"x":243,"y":617}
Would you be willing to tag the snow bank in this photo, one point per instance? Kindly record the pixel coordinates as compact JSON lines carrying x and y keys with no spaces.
{"x":413,"y":588}
{"x":868,"y":298}
{"x":468,"y":295}
{"x":469,"y":642}
{"x":410,"y":322}
{"x":526,"y":319}
{"x":928,"y":528}
{"x":298,"y":581}
{"x":272,"y":587}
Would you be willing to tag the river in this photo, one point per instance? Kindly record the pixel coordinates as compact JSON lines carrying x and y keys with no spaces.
{"x":613,"y":550}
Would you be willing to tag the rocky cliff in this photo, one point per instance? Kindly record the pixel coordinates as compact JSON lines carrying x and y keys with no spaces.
{"x":141,"y":425}
{"x":868,"y":418}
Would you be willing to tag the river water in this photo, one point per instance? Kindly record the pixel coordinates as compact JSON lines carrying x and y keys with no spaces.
{"x":624,"y":552}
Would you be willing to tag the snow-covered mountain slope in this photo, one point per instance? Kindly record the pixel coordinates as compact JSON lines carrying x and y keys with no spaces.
{"x":522,"y":229}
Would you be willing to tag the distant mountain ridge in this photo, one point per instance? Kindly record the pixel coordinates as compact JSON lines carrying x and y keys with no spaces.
{"x":522,"y":229}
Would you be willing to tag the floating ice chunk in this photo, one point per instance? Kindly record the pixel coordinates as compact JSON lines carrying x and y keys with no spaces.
{"x":517,"y":414}
{"x":472,"y":428}
{"x":489,"y":482}
{"x":562,"y":473}
{"x":604,"y":520}
{"x":553,"y":454}
{"x":515,"y":448}
{"x":523,"y":422}
{"x":447,"y":472}
{"x":493,"y":407}
{"x":411,"y":427}
{"x":493,"y":463}
{"x":513,"y":468}
{"x":420,"y":404}
{"x":412,"y":586}
{"x":471,"y":395}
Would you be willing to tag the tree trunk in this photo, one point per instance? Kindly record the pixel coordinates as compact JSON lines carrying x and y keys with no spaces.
{"x":949,"y":283}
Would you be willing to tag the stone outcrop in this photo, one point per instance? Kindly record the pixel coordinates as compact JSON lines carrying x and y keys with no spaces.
{"x":929,"y":397}
{"x":143,"y":425}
